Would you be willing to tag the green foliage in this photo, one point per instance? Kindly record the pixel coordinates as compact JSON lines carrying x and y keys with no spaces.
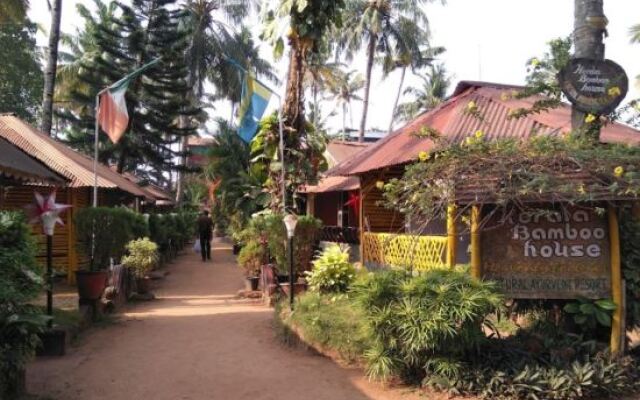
{"x":21,"y":78}
{"x":172,"y":230}
{"x":438,"y":314}
{"x":332,"y":323}
{"x":20,"y":276}
{"x":252,"y":256}
{"x":113,"y":229}
{"x":630,"y":258}
{"x":588,"y":314}
{"x":20,"y":282}
{"x":142,"y":256}
{"x":531,"y":169}
{"x":306,"y":236}
{"x":332,"y":272}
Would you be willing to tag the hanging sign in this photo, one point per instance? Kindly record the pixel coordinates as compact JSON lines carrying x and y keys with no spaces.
{"x":549,"y":254}
{"x":594,"y":86}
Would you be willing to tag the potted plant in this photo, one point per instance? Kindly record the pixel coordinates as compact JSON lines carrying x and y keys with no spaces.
{"x":142,"y":257}
{"x":250,"y":259}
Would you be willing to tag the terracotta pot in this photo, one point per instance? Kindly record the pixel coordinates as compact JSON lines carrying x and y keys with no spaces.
{"x":91,"y":284}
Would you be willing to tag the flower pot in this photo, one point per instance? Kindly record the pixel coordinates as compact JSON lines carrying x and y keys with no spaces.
{"x":91,"y":284}
{"x":252,"y":283}
{"x":143,"y":285}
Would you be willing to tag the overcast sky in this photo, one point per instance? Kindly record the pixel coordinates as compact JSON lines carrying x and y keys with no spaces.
{"x":488,"y":40}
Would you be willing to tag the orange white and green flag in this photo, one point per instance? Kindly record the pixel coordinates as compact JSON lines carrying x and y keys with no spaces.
{"x":112,"y":110}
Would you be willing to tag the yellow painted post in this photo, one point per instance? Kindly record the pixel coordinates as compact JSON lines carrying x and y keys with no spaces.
{"x":616,"y":282}
{"x":476,"y":255}
{"x":451,"y":235}
{"x":311,"y":204}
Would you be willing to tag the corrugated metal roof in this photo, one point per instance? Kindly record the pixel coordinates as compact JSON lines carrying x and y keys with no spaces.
{"x":65,"y":161}
{"x":452,"y":122}
{"x":334,"y":184}
{"x":18,"y":165}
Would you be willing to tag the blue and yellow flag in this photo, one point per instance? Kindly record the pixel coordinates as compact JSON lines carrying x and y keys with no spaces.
{"x":255,"y":98}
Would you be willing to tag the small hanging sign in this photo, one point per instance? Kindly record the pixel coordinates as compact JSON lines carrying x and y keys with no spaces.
{"x":594,"y":86}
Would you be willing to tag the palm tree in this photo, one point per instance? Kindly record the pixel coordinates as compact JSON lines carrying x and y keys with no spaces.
{"x":50,"y":70}
{"x":344,"y":92}
{"x":635,"y":38}
{"x":432,"y":92}
{"x":12,"y":11}
{"x":406,"y":60}
{"x":320,"y":76}
{"x":386,"y":26}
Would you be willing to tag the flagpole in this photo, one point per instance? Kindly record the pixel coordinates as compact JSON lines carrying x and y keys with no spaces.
{"x":95,"y":152}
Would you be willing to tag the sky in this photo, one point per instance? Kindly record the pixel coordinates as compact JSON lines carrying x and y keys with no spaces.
{"x":488,"y":40}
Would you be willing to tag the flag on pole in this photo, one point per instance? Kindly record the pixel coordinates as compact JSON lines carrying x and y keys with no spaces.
{"x":112,"y":109}
{"x":255,"y":98}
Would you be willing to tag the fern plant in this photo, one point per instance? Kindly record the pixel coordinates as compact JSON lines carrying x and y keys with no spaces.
{"x":332,"y":272}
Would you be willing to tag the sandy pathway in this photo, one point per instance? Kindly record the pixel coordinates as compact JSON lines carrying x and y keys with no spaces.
{"x":196,"y":342}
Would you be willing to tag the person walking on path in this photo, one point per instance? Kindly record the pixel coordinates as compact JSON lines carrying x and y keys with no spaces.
{"x":205,"y":229}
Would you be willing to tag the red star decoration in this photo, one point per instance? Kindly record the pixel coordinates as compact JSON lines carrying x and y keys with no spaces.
{"x":47,"y":211}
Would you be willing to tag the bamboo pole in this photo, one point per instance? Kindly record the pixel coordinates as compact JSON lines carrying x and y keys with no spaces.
{"x":616,"y":282}
{"x":451,"y":235}
{"x":476,"y":255}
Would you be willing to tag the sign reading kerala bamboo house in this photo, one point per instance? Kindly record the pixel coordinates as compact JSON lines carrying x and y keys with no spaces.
{"x":594,"y":86}
{"x":549,"y":254}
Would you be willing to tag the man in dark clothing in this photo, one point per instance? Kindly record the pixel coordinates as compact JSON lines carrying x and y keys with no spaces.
{"x":205,"y":229}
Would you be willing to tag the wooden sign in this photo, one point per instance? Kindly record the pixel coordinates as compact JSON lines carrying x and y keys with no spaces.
{"x":594,"y":86}
{"x":549,"y":254}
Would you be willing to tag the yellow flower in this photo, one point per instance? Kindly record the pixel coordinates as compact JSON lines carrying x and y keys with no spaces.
{"x":618,"y":172}
{"x":380,"y":185}
{"x":423,"y":156}
{"x":468,"y":141}
{"x":590,"y":118}
{"x":614,"y":91}
{"x":535,"y":62}
{"x":472,"y":106}
{"x":479,"y":134}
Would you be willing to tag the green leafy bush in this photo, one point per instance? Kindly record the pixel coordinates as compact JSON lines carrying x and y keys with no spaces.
{"x":113,"y":228}
{"x":589,"y":315}
{"x":630,"y":252}
{"x":415,"y":319}
{"x":306,"y":237}
{"x":20,"y":281}
{"x":332,"y":271}
{"x":251,"y":256}
{"x":142,"y":257}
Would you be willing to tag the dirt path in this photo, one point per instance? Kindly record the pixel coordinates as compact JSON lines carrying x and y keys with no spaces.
{"x":197,"y":342}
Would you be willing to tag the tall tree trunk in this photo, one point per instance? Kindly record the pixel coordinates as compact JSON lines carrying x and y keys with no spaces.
{"x":587,"y":42}
{"x":371,"y":51}
{"x":395,"y":104}
{"x":52,"y":64}
{"x":184,"y":144}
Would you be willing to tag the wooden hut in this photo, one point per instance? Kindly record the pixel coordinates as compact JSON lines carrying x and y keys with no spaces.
{"x":387,"y":237}
{"x":74,"y":187}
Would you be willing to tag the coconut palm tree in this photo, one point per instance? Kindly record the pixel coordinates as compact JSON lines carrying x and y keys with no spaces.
{"x":13,"y":10}
{"x":52,"y":65}
{"x":383,"y":26}
{"x":435,"y":84}
{"x":345,"y":91}
{"x":320,"y":76}
{"x":635,"y":33}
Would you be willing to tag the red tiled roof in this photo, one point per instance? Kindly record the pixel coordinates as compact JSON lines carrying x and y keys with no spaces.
{"x":16,"y":164}
{"x":450,"y":120}
{"x":76,"y":167}
{"x":153,"y":191}
{"x":334,"y":184}
{"x":340,"y":150}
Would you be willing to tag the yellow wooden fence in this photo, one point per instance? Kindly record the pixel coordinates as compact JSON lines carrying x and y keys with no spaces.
{"x":421,"y":253}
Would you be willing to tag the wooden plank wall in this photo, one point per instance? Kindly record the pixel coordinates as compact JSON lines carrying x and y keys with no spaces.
{"x":374,"y":216}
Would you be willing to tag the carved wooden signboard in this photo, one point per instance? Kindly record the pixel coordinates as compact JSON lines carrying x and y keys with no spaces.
{"x":594,"y":86}
{"x":559,"y":254}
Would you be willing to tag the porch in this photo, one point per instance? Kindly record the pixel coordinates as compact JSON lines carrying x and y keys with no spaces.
{"x":418,"y":253}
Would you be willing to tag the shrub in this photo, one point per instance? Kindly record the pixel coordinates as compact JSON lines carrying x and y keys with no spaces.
{"x":332,"y":323}
{"x":332,"y":271}
{"x":113,"y":228}
{"x":437,"y":314}
{"x":142,"y":257}
{"x":20,"y":281}
{"x":251,"y":256}
{"x":307,"y":231}
{"x":630,"y":252}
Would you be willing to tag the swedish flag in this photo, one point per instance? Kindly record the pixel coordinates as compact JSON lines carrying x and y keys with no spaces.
{"x":255,"y":98}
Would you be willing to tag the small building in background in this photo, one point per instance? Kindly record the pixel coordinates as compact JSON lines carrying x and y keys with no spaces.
{"x":197,"y":150}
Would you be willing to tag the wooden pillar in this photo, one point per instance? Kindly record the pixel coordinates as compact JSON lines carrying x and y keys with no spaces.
{"x":72,"y":252}
{"x":361,"y":223}
{"x":311,"y":204}
{"x":616,"y":283}
{"x":476,"y":255}
{"x":451,"y":235}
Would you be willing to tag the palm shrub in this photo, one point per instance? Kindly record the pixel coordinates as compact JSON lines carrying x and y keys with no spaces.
{"x":306,"y":237}
{"x":20,"y":282}
{"x":142,"y":256}
{"x":418,"y":319}
{"x":332,"y":272}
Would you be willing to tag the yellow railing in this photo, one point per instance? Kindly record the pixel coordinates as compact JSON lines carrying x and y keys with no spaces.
{"x":421,"y":253}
